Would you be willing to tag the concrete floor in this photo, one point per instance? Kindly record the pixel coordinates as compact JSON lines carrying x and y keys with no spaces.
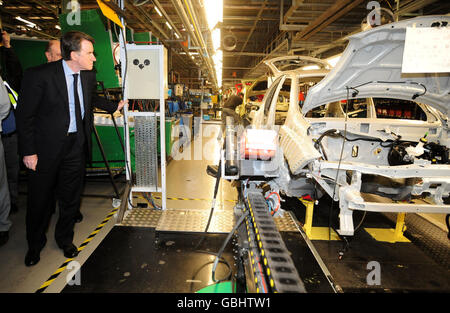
{"x":16,"y":277}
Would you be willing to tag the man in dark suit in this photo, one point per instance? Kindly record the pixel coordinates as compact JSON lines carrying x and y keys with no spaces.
{"x":55,"y":120}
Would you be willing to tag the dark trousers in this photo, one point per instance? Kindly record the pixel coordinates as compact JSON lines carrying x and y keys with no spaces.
{"x":10,"y":145}
{"x":65,"y":175}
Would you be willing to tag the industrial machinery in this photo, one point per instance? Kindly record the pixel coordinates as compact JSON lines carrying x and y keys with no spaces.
{"x":371,"y":137}
{"x":145,"y":77}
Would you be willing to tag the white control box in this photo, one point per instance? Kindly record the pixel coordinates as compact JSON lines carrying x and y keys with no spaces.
{"x":146,"y":67}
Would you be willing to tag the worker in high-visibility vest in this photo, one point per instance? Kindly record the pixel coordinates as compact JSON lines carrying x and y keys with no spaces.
{"x":5,"y":207}
{"x":11,"y":72}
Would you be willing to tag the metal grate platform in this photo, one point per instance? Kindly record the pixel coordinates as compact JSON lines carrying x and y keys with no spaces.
{"x":142,"y":217}
{"x":191,"y":220}
{"x":285,"y":223}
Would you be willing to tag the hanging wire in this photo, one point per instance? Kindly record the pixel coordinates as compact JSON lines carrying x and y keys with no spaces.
{"x":138,"y":4}
{"x":340,"y":160}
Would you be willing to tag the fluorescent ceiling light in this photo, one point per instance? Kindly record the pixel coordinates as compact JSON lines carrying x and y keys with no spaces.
{"x":215,"y":34}
{"x":168,"y":25}
{"x":218,"y":60}
{"x":213,"y":12}
{"x":57,"y":27}
{"x":158,"y":11}
{"x":29,"y":24}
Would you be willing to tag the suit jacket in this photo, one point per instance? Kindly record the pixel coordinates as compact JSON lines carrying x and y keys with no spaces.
{"x":43,"y":111}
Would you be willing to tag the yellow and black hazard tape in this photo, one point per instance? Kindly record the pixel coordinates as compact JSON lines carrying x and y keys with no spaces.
{"x":188,"y":199}
{"x":63,"y":266}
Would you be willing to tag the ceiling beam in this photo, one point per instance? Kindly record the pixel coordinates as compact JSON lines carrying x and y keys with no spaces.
{"x":294,"y":6}
{"x":46,"y":7}
{"x":413,"y":6}
{"x":336,"y":11}
{"x":342,"y":41}
{"x":14,"y":15}
{"x":247,"y":18}
{"x":249,"y":7}
{"x":31,"y":30}
{"x":254,"y":26}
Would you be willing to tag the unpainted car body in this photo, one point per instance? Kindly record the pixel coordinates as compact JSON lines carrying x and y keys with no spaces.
{"x":366,"y":160}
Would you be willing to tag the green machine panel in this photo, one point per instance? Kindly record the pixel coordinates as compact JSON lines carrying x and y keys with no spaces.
{"x":30,"y":52}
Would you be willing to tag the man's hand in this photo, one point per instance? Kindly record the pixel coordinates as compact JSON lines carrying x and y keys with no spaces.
{"x":30,"y":161}
{"x":121,"y":104}
{"x":6,"y":39}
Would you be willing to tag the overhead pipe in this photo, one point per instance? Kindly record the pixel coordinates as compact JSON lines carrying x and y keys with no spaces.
{"x":202,"y":42}
{"x":208,"y":59}
{"x":185,"y":19}
{"x":167,"y":17}
{"x":138,"y":12}
{"x":182,"y":14}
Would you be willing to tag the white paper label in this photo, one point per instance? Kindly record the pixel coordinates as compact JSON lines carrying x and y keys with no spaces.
{"x":427,"y":50}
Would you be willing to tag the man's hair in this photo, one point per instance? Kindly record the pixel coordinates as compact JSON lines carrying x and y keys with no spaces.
{"x":49,"y":44}
{"x":71,"y":41}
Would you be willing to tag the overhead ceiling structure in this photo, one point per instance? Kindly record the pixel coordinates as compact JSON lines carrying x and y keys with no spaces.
{"x":251,"y":31}
{"x":178,"y":24}
{"x":263,"y":29}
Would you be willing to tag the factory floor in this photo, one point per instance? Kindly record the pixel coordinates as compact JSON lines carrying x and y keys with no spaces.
{"x":119,"y":256}
{"x":188,"y":187}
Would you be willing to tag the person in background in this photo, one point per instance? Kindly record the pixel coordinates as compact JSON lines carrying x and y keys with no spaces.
{"x":233,"y":101}
{"x":11,"y":72}
{"x":229,"y":109}
{"x":5,"y":205}
{"x":55,"y":120}
{"x":53,"y":51}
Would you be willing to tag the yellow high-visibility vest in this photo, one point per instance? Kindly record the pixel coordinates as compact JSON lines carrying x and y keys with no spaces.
{"x":13,"y":96}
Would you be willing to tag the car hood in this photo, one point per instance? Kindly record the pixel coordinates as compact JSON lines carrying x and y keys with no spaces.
{"x":371,"y":66}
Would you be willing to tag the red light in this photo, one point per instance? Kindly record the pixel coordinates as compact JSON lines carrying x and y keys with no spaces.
{"x":259,"y":144}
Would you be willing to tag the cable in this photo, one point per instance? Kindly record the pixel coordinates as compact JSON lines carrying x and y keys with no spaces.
{"x":207,"y":263}
{"x":127,"y":166}
{"x":279,"y":201}
{"x":339,"y":164}
{"x":386,"y":82}
{"x":269,"y":203}
{"x":211,"y":212}
{"x":216,"y":188}
{"x":219,"y":254}
{"x":447,"y":221}
{"x":222,"y":260}
{"x":148,"y":196}
{"x":362,"y":220}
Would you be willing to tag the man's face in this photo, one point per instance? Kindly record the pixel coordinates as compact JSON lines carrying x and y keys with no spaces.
{"x":85,"y":57}
{"x":54,"y":53}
